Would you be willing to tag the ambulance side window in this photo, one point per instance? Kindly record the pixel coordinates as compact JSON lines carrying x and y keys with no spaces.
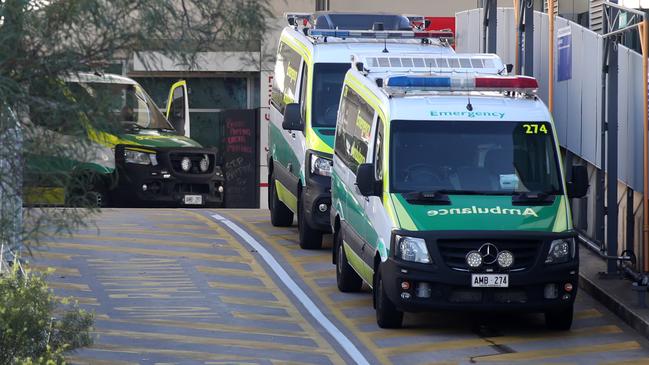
{"x":378,"y":151}
{"x":287,"y":67}
{"x":353,"y":136}
{"x":303,"y":91}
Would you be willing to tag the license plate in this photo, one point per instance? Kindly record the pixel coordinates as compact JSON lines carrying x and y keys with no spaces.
{"x":193,"y":199}
{"x":489,"y":280}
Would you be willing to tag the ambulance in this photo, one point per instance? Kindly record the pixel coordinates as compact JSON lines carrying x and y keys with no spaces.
{"x":312,"y":58}
{"x":448,"y":191}
{"x":139,"y":156}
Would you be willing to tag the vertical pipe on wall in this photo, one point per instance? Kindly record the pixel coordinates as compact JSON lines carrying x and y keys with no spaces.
{"x":551,"y":55}
{"x":528,"y":11}
{"x":612,"y":155}
{"x":644,"y":41}
{"x":517,"y":21}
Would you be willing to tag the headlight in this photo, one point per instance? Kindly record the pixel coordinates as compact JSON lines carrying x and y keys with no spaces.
{"x":186,"y":164}
{"x":137,"y":157}
{"x":412,"y":249}
{"x":321,"y":166}
{"x":561,"y":251}
{"x":205,"y":163}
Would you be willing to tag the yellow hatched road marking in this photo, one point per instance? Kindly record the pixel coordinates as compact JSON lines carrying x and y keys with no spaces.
{"x":92,"y":361}
{"x":255,"y":288}
{"x":66,"y":271}
{"x":504,"y":340}
{"x":260,"y":273}
{"x":53,"y":255}
{"x":144,"y":241}
{"x":253,"y":302}
{"x":154,"y":290}
{"x":152,"y":252}
{"x":237,"y":342}
{"x":196,"y":355}
{"x":165,"y":233}
{"x":80,"y":300}
{"x":155,"y":296}
{"x":321,"y":273}
{"x":262,"y":317}
{"x":329,"y":303}
{"x":69,"y":286}
{"x":223,"y":271}
{"x":642,"y":361}
{"x":568,"y":351}
{"x":354,"y":303}
{"x":184,"y":226}
{"x":588,"y":313}
{"x":215,"y":327}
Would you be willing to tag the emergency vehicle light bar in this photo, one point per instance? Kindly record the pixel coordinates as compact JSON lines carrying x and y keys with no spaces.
{"x":430,"y":63}
{"x":524,"y":84}
{"x":380,"y":34}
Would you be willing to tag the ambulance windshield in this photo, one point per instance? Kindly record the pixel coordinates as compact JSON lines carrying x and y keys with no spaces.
{"x":327,"y":85}
{"x":473,"y":157}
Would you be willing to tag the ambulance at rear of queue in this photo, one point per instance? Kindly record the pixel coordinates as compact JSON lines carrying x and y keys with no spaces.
{"x":448,"y":191}
{"x":312,"y":59}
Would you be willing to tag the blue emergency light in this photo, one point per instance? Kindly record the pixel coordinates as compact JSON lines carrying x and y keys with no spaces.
{"x":410,"y":81}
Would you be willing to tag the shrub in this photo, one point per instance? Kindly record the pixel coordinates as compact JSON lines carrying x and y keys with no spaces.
{"x":35,"y":326}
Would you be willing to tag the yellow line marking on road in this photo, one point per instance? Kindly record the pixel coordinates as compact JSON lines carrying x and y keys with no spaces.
{"x":196,"y":355}
{"x":228,"y":286}
{"x":568,"y":351}
{"x":253,"y":302}
{"x":262,"y":317}
{"x":184,"y":226}
{"x":328,"y":273}
{"x":365,"y":320}
{"x":215,"y":327}
{"x":80,"y":300}
{"x":159,"y":278}
{"x":642,"y":361}
{"x":92,"y":361}
{"x":259,"y":272}
{"x":53,"y":255}
{"x":354,"y":303}
{"x":68,"y":286}
{"x":154,"y":296}
{"x":165,"y":233}
{"x":310,"y":282}
{"x":504,"y":340}
{"x":65,"y":271}
{"x":152,"y":252}
{"x":144,"y":241}
{"x":229,"y":342}
{"x":223,"y":271}
{"x":588,"y":313}
{"x":153,"y":290}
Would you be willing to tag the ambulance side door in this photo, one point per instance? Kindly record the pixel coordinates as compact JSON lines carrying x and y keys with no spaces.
{"x":178,"y":107}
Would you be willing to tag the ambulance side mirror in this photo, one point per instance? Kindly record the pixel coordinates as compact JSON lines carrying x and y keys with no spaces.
{"x":510,"y":68}
{"x":578,"y":184}
{"x":292,"y":118}
{"x":365,"y":179}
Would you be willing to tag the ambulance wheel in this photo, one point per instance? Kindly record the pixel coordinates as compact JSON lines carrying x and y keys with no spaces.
{"x":560,"y":320}
{"x":347,"y":279}
{"x":310,"y":239}
{"x":280,"y":215}
{"x":387,"y":314}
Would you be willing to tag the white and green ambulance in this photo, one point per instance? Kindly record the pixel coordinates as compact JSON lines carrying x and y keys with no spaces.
{"x":448,"y":190}
{"x":312,"y":58}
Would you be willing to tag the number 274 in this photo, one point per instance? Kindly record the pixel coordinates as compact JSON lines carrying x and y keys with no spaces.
{"x":535,"y":128}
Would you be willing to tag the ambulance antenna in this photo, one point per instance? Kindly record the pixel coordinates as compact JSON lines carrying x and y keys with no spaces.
{"x":469,"y":106}
{"x":380,"y":27}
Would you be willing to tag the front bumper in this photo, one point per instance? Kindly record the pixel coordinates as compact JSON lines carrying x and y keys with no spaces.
{"x":450,"y":289}
{"x":164,"y":184}
{"x":316,"y":192}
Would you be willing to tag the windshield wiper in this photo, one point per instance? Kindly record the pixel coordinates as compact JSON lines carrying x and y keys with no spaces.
{"x":427,"y":197}
{"x":535,"y":198}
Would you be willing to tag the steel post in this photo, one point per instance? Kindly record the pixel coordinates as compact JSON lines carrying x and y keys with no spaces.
{"x":612,"y":165}
{"x":490,"y":26}
{"x":528,"y":11}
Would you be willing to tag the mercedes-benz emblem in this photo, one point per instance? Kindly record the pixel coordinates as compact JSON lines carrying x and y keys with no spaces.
{"x":489,"y":253}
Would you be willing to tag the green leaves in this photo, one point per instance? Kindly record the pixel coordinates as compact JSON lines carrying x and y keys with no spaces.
{"x":34,"y":328}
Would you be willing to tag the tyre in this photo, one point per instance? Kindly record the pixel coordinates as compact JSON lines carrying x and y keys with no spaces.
{"x":88,"y":189}
{"x":310,"y":239}
{"x":559,"y":320}
{"x":280,"y":215}
{"x":347,"y":279}
{"x":387,"y":314}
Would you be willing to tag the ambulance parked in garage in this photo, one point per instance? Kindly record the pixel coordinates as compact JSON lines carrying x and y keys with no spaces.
{"x":448,"y":190}
{"x":312,"y":59}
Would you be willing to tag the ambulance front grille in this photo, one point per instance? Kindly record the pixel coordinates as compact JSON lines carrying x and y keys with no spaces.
{"x":454,"y":251}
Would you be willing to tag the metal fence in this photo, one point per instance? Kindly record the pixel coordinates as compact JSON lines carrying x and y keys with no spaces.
{"x":577,"y":102}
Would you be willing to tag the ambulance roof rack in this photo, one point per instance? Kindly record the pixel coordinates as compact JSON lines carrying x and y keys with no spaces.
{"x":429,"y":63}
{"x":444,"y":36}
{"x":293,"y":19}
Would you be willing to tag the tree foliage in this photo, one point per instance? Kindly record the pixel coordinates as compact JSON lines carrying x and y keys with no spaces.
{"x":34,"y":328}
{"x":44,"y":42}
